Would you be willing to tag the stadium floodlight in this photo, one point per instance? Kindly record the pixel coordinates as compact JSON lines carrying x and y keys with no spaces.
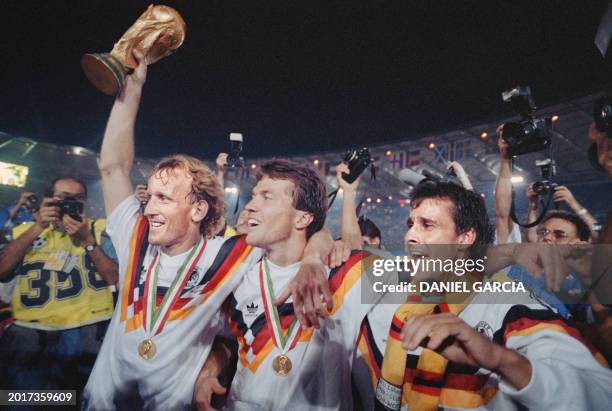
{"x":14,"y":175}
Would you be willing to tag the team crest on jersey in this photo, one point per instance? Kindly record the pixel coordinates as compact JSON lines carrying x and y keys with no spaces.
{"x":194,"y":279}
{"x":485,"y":329}
{"x":39,"y":243}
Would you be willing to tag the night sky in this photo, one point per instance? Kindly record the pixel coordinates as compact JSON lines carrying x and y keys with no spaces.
{"x":297,"y":76}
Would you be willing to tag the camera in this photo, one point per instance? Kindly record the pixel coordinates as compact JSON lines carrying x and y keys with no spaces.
{"x":32,"y":202}
{"x":69,"y":206}
{"x":357,"y":160}
{"x":234,"y":158}
{"x":548,"y":171}
{"x":544,"y":187}
{"x":530,"y":134}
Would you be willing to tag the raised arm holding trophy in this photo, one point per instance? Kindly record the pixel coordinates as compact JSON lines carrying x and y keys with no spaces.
{"x":157,"y":33}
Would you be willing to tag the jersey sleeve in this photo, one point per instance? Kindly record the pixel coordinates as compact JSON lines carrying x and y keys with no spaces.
{"x":120,"y":224}
{"x":560,"y":363}
{"x":353,"y":296}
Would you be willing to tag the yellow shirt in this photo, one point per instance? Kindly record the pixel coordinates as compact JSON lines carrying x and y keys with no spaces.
{"x":58,"y":286}
{"x":229,"y":231}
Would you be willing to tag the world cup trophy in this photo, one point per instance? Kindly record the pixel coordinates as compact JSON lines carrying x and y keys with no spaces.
{"x":157,"y":33}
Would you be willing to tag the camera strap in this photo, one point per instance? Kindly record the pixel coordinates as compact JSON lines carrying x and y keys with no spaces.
{"x":513,"y":208}
{"x":365,"y":192}
{"x":537,"y":220}
{"x":332,"y":196}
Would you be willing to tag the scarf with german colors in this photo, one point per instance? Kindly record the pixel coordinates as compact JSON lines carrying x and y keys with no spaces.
{"x":420,"y":385}
{"x":426,"y":381}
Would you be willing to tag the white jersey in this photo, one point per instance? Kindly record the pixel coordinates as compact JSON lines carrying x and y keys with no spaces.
{"x":121,"y":378}
{"x":565,"y":374}
{"x":370,"y":352}
{"x":320,"y":378}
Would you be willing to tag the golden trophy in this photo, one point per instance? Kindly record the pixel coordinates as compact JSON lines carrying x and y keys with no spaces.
{"x":157,"y":34}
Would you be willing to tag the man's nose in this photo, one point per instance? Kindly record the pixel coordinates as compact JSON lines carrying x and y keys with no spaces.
{"x":411,"y":236}
{"x":151,"y":207}
{"x":251,"y":205}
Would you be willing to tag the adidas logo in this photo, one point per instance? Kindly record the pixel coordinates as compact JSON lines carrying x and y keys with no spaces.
{"x":252,"y":308}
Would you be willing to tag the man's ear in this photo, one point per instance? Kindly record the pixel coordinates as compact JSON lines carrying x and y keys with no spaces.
{"x":467,"y":237}
{"x":199,"y":211}
{"x":303,"y":220}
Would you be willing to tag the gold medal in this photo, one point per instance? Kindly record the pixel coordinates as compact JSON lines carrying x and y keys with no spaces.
{"x":155,"y":316}
{"x":146,"y":349}
{"x":282,"y":365}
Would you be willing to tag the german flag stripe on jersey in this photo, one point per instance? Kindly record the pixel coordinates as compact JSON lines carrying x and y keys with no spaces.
{"x":340,"y":280}
{"x":337,"y":275}
{"x":138,"y":248}
{"x":230,"y":257}
{"x":236,"y":251}
{"x":260,"y":331}
{"x":521,"y":321}
{"x":231,"y":254}
{"x":173,"y":307}
{"x":371,"y":354}
{"x":262,"y":342}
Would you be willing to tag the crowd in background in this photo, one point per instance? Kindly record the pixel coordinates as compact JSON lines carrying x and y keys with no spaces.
{"x":59,"y":270}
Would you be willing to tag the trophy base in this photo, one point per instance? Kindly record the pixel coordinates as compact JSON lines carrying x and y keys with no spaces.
{"x":105,"y":72}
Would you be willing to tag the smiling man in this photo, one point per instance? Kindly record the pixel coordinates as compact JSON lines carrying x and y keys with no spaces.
{"x":281,"y":365}
{"x":487,"y":351}
{"x":174,"y":274}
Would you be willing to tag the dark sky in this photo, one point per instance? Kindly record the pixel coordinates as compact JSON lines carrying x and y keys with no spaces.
{"x":297,"y":76}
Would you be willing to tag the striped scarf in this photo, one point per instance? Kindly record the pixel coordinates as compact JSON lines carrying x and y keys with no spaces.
{"x":425,"y":381}
{"x":419,"y":387}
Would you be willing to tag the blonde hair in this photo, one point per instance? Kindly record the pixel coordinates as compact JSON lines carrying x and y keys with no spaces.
{"x":204,"y":186}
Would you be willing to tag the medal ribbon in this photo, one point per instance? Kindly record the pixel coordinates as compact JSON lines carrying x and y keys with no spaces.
{"x":155,"y":318}
{"x":283,"y":342}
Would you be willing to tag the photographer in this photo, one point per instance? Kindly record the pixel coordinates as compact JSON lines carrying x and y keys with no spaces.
{"x":62,"y":299}
{"x":22,"y":212}
{"x":561,"y":194}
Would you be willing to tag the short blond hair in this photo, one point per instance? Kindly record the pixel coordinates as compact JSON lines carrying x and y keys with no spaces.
{"x":204,"y":186}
